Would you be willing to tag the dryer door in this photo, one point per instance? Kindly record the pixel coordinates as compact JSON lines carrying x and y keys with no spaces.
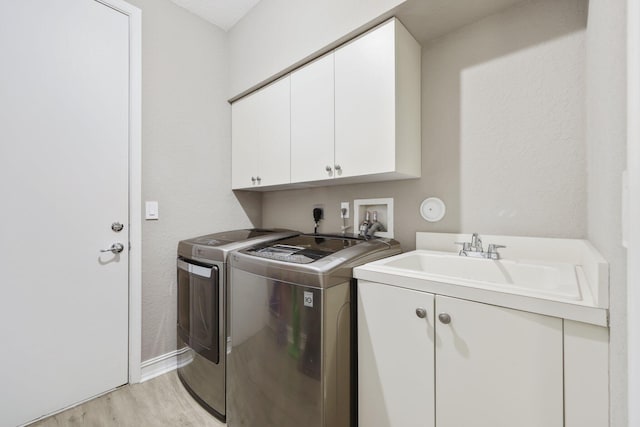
{"x":198,"y":305}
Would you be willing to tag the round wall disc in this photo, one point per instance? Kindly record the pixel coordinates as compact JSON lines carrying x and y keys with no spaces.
{"x":432,"y":209}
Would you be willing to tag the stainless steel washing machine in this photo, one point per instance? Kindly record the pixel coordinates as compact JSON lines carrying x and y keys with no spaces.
{"x":290,"y":361}
{"x":202,"y":311}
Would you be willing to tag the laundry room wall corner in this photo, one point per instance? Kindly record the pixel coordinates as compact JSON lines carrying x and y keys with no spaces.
{"x":186,"y":151}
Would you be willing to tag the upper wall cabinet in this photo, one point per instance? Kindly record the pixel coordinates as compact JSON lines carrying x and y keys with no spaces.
{"x":354,"y":117}
{"x":377,"y":104}
{"x":261,"y":138}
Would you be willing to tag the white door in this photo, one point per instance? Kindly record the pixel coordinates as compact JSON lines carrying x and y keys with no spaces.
{"x":260,"y":129}
{"x":365,"y":102}
{"x":395,"y":356}
{"x":497,"y":367}
{"x":244,"y":150}
{"x":274,"y":124}
{"x":64,"y":114}
{"x":312,"y":130}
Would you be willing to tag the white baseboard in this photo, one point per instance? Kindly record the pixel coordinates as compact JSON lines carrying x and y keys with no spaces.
{"x":159,"y":365}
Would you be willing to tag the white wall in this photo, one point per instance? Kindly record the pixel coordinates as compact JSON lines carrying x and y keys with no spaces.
{"x":633,"y":165}
{"x":186,"y":149}
{"x":502,"y":133}
{"x":506,"y":96}
{"x":606,"y":159}
{"x":277,"y":34}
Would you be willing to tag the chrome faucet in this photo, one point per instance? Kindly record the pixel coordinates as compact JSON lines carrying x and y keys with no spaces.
{"x":474,"y":249}
{"x":476,"y":243}
{"x":364,"y":225}
{"x":369,"y":226}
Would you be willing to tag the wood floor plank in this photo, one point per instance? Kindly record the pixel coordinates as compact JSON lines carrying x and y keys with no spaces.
{"x":159,"y":402}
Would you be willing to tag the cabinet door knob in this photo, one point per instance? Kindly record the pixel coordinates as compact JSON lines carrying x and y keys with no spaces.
{"x":328,"y":168}
{"x":338,"y":167}
{"x":258,"y":179}
{"x":253,"y":179}
{"x":421,"y":312}
{"x":444,"y":318}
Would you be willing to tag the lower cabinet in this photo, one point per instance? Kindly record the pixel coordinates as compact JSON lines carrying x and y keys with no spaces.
{"x":497,"y":367}
{"x":429,"y":360}
{"x":395,"y":357}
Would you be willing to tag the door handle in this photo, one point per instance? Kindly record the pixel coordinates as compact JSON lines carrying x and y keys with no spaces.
{"x":195,"y":269}
{"x":116,"y":248}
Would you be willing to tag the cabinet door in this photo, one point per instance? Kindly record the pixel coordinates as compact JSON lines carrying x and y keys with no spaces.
{"x":365,"y":103}
{"x":395,"y":357}
{"x":273,"y":123}
{"x":312,"y":130}
{"x":497,"y":367}
{"x":244,"y":147}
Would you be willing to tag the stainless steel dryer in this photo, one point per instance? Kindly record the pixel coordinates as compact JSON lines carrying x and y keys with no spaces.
{"x":202,"y":311}
{"x":290,"y":359}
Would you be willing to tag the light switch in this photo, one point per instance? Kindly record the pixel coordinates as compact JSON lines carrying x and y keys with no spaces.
{"x":151,"y":209}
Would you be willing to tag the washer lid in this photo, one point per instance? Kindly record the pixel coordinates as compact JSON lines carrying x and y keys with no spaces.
{"x":313,"y":260}
{"x":215,"y":247}
{"x":225,"y":237}
{"x":305,"y":248}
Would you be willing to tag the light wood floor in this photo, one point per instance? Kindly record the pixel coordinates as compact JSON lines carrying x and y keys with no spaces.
{"x":162,"y":401}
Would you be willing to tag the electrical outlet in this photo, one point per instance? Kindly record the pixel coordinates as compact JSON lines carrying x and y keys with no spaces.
{"x":321,"y":207}
{"x":344,"y":213}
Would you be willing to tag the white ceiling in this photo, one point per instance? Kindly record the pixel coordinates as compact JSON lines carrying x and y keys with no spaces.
{"x":429,"y":19}
{"x":425,"y":19}
{"x":223,"y":13}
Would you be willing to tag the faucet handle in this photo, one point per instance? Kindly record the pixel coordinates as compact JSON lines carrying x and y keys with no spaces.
{"x":493,"y":250}
{"x":465,"y":246}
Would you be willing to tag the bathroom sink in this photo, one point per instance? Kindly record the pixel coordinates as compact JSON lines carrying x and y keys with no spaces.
{"x":551,"y":279}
